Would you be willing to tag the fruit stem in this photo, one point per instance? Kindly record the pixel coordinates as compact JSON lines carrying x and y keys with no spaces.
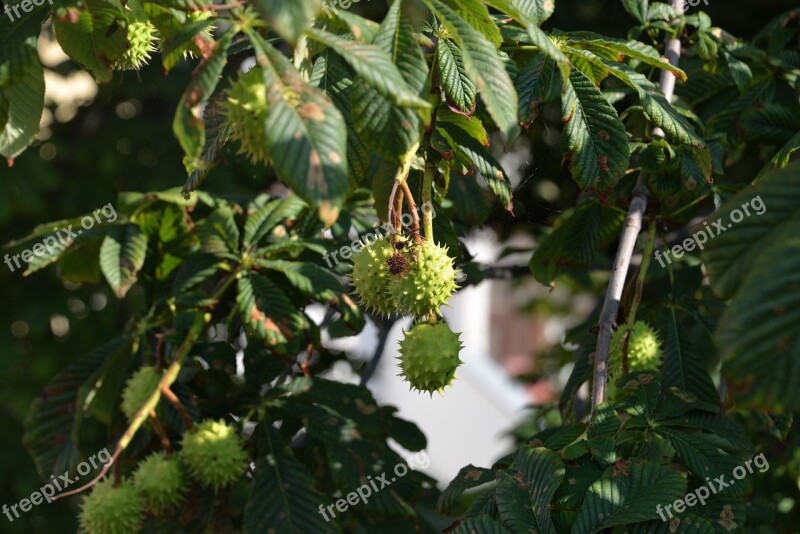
{"x":427,"y":204}
{"x":412,"y":207}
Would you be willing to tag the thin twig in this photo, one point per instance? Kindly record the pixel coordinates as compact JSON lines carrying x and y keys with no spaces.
{"x":427,"y":203}
{"x":633,"y":225}
{"x":179,"y":407}
{"x":160,"y":431}
{"x":412,"y":207}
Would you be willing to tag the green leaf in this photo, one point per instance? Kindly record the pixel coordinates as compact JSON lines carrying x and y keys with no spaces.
{"x":332,"y":75}
{"x":628,"y":492}
{"x":468,"y":477}
{"x":390,"y":130}
{"x":54,"y":418}
{"x":289,"y":19}
{"x":196,"y":268}
{"x":267,"y":311}
{"x":308,"y":278}
{"x":97,"y":39}
{"x":781,"y":159}
{"x":484,"y":66}
{"x":526,"y":11}
{"x":219,"y":234}
{"x":616,"y":50}
{"x":482,"y":524}
{"x":594,"y":140}
{"x":637,"y":9}
{"x":188,"y":124}
{"x":537,"y":84}
{"x":524,"y":490}
{"x":374,"y":66}
{"x":458,"y":88}
{"x":733,"y":250}
{"x":703,"y":459}
{"x":122,"y":255}
{"x":685,"y":523}
{"x":683,"y":368}
{"x":306,"y":133}
{"x":654,"y":104}
{"x":470,"y":149}
{"x":575,"y":241}
{"x":477,"y":16}
{"x":21,"y":95}
{"x":260,"y":223}
{"x":283,"y":492}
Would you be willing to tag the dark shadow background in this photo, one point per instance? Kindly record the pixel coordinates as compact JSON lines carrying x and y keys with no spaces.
{"x":83,"y":166}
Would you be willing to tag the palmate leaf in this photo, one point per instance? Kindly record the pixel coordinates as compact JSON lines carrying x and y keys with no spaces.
{"x":219,"y":234}
{"x":188,"y":124}
{"x":484,"y":66}
{"x":470,"y":149}
{"x":309,"y":279}
{"x":655,"y":106}
{"x":458,"y":88}
{"x":351,"y":456}
{"x":628,"y":492}
{"x":781,"y":159}
{"x":289,"y":19}
{"x":683,"y":368}
{"x":283,"y":492}
{"x":97,"y":39}
{"x":267,"y":311}
{"x":525,"y":489}
{"x":358,"y":404}
{"x":526,"y":11}
{"x":617,"y":49}
{"x":535,"y":36}
{"x":332,"y":74}
{"x":54,"y":419}
{"x":388,"y":129}
{"x":21,"y":85}
{"x":306,"y":133}
{"x":704,"y":459}
{"x":261,"y":222}
{"x":467,"y":478}
{"x":537,"y":84}
{"x":477,"y":16}
{"x":122,"y":255}
{"x":374,"y":66}
{"x":594,"y":140}
{"x":482,"y":524}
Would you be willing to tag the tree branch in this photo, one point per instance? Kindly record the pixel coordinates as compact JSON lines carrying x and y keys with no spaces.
{"x":633,"y":225}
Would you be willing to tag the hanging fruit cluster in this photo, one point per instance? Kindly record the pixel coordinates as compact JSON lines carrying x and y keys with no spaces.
{"x":211,"y":452}
{"x":412,"y":276}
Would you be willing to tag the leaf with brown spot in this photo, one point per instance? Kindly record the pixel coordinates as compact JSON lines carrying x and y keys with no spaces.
{"x":304,"y":130}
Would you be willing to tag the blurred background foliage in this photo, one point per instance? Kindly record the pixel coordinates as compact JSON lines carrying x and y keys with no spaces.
{"x":123,"y":141}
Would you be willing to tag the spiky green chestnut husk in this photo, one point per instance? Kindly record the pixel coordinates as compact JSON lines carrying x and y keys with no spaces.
{"x":141,"y":39}
{"x":160,"y":483}
{"x":644,"y":353}
{"x":428,"y":283}
{"x":245,"y":108}
{"x":213,"y":453}
{"x":429,"y":356}
{"x":371,"y":275}
{"x":110,"y":510}
{"x":138,"y":389}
